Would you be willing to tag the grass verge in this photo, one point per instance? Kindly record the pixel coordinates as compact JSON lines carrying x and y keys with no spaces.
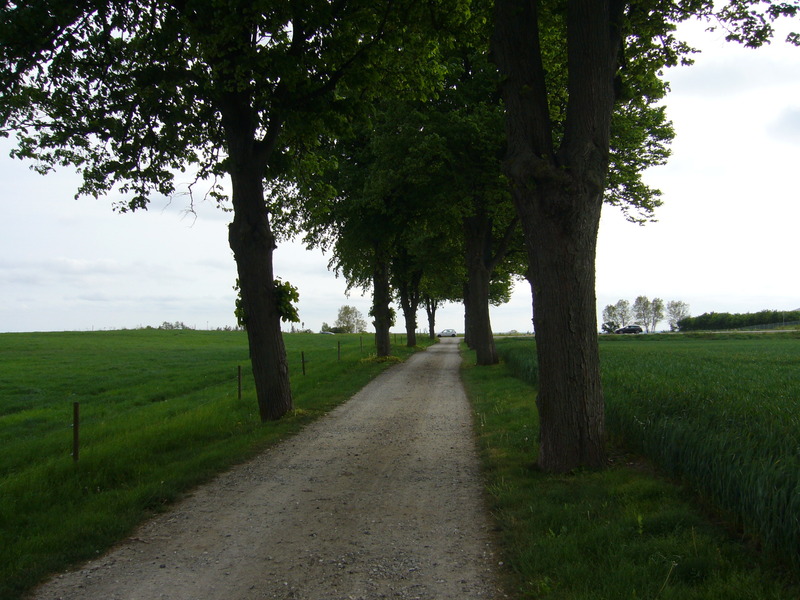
{"x":160,"y":413}
{"x":719,"y":412}
{"x":624,"y":532}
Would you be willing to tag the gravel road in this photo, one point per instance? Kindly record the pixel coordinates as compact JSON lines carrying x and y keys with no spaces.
{"x":381,"y":498}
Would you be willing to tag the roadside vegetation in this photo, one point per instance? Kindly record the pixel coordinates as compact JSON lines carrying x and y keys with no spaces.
{"x":711,"y":519}
{"x":159,"y":413}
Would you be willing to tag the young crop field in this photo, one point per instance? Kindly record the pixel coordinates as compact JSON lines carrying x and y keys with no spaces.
{"x":622,"y":532}
{"x":722,"y":413}
{"x":159,"y":413}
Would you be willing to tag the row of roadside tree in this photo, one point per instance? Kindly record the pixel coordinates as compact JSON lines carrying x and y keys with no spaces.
{"x":433,"y":148}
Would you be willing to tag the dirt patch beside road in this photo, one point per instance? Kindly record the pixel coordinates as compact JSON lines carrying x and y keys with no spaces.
{"x":379,"y":499}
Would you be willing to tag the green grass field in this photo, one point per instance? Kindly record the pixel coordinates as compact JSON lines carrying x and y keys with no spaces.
{"x":719,"y":415}
{"x":159,"y":413}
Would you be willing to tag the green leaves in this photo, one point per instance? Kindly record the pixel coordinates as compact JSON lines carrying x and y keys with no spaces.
{"x":131,"y":93}
{"x":286,"y":295}
{"x":749,"y":22}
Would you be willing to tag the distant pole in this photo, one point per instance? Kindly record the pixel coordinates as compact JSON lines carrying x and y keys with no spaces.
{"x":75,"y":431}
{"x":239,"y":379}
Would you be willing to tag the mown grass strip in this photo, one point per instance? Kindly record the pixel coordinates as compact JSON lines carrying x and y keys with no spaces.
{"x":159,"y":414}
{"x":621,"y":533}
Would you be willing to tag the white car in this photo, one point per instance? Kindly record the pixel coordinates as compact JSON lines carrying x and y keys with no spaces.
{"x":447,"y":333}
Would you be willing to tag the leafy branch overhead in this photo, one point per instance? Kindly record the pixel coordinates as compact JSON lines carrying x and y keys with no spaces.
{"x":133,"y":93}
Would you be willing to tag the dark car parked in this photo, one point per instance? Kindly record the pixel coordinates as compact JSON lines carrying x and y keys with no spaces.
{"x":629,"y":329}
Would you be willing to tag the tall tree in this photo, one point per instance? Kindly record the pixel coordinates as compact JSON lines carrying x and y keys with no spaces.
{"x":624,"y":312}
{"x":407,"y":274}
{"x":677,"y":310}
{"x":610,"y":319}
{"x":442,"y":284}
{"x":656,"y":313}
{"x":131,"y":92}
{"x":350,"y":320}
{"x":580,"y":83}
{"x":455,"y":145}
{"x":357,"y":225}
{"x":642,"y":309}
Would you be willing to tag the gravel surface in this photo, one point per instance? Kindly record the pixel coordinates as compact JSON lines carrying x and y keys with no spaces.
{"x":382,"y":498}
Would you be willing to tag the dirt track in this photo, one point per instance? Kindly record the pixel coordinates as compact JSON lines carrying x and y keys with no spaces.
{"x":379,"y":499}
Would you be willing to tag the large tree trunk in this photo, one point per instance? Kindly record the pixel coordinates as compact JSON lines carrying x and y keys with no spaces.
{"x":252,"y":243}
{"x":558,"y":182}
{"x":430,"y":310}
{"x":410,"y":319}
{"x":570,"y":400}
{"x":480,"y":324}
{"x":479,"y":262}
{"x":409,"y":302}
{"x":381,"y":309}
{"x":251,"y":239}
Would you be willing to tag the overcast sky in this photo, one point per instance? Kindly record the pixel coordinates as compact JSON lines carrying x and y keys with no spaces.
{"x":726,"y":238}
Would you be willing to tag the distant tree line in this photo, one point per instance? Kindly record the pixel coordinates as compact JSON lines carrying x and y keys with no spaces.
{"x":714,"y":320}
{"x":644,"y":312}
{"x":176,"y":325}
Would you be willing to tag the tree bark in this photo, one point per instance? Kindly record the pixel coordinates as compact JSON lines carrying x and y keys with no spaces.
{"x":558,"y":184}
{"x":570,"y":399}
{"x":410,"y":319}
{"x":251,"y":239}
{"x":409,"y":302}
{"x":381,"y":310}
{"x":252,"y":243}
{"x":478,"y":230}
{"x":430,"y":310}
